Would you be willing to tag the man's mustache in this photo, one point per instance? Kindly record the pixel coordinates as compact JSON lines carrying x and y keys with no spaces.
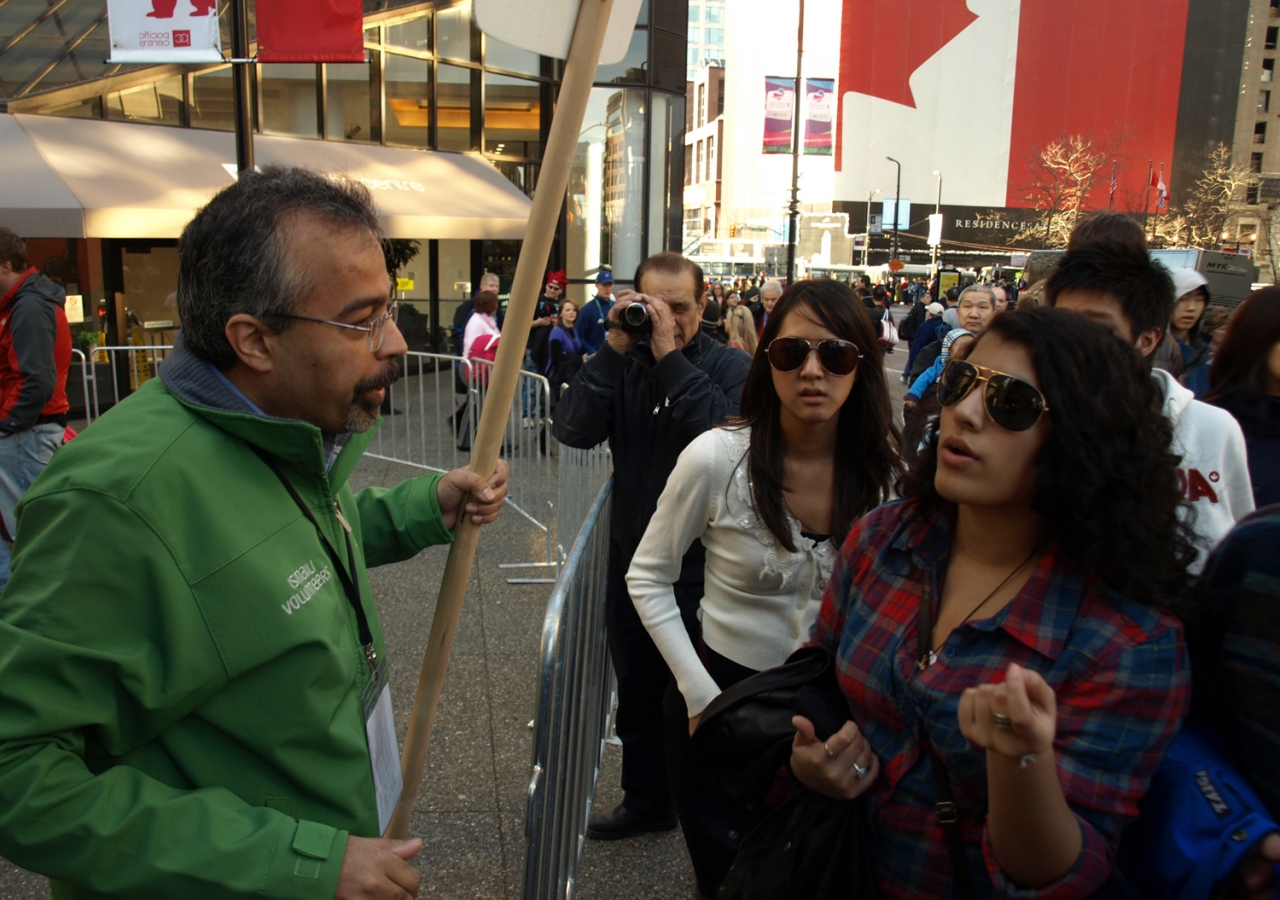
{"x":389,"y":375}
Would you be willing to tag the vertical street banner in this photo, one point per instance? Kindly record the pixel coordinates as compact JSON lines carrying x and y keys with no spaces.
{"x":819,"y":116}
{"x":310,"y":31}
{"x":164,"y":31}
{"x":779,"y":113}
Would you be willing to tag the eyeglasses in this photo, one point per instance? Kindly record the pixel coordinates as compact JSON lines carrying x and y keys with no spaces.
{"x":786,"y":354}
{"x":376,"y":330}
{"x":1013,"y":404}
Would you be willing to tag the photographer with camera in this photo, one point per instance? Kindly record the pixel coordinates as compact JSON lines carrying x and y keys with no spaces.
{"x":656,"y":384}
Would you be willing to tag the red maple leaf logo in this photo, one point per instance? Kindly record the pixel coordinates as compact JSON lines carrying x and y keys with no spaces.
{"x":883,"y":42}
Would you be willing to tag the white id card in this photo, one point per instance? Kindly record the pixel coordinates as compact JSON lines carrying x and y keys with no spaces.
{"x":384,"y":754}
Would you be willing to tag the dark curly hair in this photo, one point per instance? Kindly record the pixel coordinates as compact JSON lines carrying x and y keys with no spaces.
{"x":1107,"y":477}
{"x":867,"y":441}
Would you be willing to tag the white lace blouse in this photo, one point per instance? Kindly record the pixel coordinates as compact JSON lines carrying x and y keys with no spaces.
{"x":759,"y":602}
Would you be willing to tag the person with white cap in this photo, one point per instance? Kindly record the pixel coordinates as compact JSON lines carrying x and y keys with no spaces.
{"x":1192,"y":292}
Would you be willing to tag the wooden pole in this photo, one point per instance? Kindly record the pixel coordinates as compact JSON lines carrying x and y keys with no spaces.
{"x":553,"y":180}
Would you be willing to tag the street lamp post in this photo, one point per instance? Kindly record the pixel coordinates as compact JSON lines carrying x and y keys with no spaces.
{"x":937,"y":211}
{"x":866,"y":248}
{"x":796,"y":137}
{"x":897,"y":206}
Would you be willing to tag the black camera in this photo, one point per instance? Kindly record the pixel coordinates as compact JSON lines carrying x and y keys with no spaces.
{"x":635,"y":319}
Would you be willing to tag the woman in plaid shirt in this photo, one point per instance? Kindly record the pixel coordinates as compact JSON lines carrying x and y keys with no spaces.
{"x":1012,"y":611}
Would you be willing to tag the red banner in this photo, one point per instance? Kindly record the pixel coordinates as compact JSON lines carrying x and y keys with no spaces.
{"x":310,"y":31}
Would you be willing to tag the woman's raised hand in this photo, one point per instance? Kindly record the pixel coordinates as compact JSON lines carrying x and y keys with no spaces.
{"x":842,"y":767}
{"x":1017,"y":718}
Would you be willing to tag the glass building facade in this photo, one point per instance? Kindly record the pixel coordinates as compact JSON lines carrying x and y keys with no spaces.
{"x":432,"y":82}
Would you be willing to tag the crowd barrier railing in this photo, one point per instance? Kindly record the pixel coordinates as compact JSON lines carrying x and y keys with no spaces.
{"x":582,"y":472}
{"x":575,"y":695}
{"x":109,"y":374}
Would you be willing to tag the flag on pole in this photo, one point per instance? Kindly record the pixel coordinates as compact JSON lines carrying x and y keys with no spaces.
{"x":1151,"y":172}
{"x":164,"y":31}
{"x":310,"y":31}
{"x":1162,"y":192}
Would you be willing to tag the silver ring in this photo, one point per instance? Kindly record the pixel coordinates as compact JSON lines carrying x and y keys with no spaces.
{"x":860,"y":771}
{"x":828,"y":749}
{"x":1000,"y":720}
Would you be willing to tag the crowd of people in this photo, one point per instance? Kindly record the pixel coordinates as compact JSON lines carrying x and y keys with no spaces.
{"x":1007,"y":593}
{"x":1043,"y":606}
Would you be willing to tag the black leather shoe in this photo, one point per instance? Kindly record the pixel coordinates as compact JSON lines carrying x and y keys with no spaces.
{"x":621,"y":823}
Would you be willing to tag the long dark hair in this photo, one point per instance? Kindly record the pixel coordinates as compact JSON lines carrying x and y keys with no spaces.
{"x":1240,"y":365}
{"x":867,"y":441}
{"x":1107,"y":476}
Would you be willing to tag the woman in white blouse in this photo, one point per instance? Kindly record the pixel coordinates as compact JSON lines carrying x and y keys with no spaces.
{"x":771,"y":495}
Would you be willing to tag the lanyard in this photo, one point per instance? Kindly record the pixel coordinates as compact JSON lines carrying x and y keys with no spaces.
{"x":345,"y":576}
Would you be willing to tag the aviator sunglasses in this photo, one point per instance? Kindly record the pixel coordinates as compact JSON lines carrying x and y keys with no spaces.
{"x":786,"y":354}
{"x":1013,"y":404}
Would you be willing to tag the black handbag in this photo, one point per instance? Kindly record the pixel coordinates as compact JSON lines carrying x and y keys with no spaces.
{"x":810,"y":846}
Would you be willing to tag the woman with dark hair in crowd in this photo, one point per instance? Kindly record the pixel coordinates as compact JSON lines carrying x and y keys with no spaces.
{"x":564,"y":350}
{"x":771,"y":496}
{"x":1001,"y":632}
{"x":1245,"y":381}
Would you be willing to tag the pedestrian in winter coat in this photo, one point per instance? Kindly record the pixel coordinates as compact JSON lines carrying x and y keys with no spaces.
{"x":35,"y":353}
{"x":649,"y":396}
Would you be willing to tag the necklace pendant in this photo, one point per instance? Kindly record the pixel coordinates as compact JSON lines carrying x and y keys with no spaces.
{"x":926,"y":661}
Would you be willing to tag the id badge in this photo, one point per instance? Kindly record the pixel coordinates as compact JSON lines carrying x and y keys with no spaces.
{"x":384,"y":754}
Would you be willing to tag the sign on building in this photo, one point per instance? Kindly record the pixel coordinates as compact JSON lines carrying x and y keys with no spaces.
{"x":164,"y":31}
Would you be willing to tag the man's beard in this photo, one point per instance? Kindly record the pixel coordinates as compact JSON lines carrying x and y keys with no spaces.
{"x":362,"y":414}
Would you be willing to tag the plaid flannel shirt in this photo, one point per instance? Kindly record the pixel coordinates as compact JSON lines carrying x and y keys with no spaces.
{"x":1118,"y":668}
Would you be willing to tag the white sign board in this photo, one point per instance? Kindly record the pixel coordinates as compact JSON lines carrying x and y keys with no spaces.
{"x":164,"y":31}
{"x":74,"y":308}
{"x":546,"y":26}
{"x":876,"y":225}
{"x":935,"y":229}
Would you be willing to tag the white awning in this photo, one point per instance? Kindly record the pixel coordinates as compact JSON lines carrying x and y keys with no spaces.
{"x":93,"y":179}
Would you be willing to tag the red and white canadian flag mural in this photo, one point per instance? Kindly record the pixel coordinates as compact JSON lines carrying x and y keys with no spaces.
{"x":974,"y":89}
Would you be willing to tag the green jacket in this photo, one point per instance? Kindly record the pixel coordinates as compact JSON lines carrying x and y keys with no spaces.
{"x":180,"y":710}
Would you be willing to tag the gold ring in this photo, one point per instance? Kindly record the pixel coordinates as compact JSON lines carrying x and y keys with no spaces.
{"x":1001,"y":720}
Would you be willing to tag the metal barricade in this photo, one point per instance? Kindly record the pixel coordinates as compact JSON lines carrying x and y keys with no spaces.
{"x":526,"y":446}
{"x":575,"y":694}
{"x":427,"y":417}
{"x":109,"y":374}
{"x":581,"y":475}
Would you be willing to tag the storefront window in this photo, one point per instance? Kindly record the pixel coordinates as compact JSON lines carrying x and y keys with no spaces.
{"x":289,"y":99}
{"x":632,"y":66}
{"x":408,"y":101}
{"x":159,"y":103}
{"x":413,"y":35}
{"x":453,"y":33}
{"x":212,"y":102}
{"x":150,"y":293}
{"x":348,"y":102}
{"x":666,"y":137}
{"x":500,"y":55}
{"x":512,"y":113}
{"x":606,"y":187}
{"x":455,"y":108}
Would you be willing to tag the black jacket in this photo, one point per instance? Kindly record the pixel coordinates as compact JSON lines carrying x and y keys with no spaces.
{"x":648,"y":412}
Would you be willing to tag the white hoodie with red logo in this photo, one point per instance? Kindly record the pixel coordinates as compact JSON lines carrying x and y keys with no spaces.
{"x":1214,"y":472}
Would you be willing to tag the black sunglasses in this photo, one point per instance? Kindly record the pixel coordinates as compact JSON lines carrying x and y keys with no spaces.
{"x":1013,"y":404}
{"x":786,"y":354}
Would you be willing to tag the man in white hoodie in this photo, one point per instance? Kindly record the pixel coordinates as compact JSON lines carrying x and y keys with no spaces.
{"x":1133,"y":296}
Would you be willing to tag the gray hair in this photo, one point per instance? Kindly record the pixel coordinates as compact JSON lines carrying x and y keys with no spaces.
{"x":771,"y":287}
{"x":490,"y":278}
{"x":980,"y":289}
{"x":233,"y":257}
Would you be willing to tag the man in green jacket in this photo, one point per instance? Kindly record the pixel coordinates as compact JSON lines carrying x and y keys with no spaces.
{"x":193,"y":695}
